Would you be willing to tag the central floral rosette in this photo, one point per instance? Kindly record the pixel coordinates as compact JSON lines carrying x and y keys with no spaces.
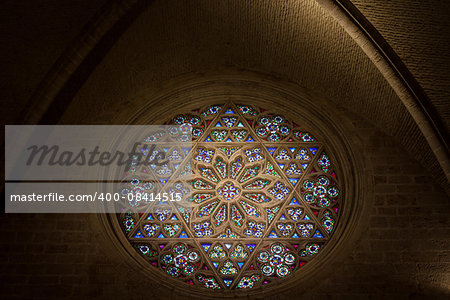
{"x":228,"y":191}
{"x":235,"y":190}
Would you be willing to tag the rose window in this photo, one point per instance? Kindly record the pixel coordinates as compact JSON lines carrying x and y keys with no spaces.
{"x":265,"y":194}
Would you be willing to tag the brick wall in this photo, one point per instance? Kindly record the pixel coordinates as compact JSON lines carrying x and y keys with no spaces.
{"x":404,"y":251}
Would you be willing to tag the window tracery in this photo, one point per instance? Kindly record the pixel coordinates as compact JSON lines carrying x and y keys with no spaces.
{"x":266,"y":198}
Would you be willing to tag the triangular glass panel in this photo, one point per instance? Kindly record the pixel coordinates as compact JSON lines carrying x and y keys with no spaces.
{"x":317,"y":234}
{"x":293,"y":181}
{"x":240,"y":264}
{"x":206,"y":247}
{"x":183,"y":235}
{"x":294,"y":202}
{"x":251,"y":247}
{"x":138,"y":235}
{"x":228,"y":282}
{"x":273,"y":235}
{"x":271,"y":150}
{"x":229,"y":111}
{"x":313,"y":150}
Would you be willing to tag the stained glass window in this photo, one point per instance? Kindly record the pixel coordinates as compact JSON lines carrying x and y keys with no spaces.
{"x":265,"y":197}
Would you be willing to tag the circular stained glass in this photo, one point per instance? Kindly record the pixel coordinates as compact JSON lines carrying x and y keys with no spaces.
{"x":266,"y":198}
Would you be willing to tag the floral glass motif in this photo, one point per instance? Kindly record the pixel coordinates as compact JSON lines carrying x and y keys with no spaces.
{"x":180,"y":261}
{"x":266,"y":199}
{"x":320,"y":192}
{"x":276,"y":260}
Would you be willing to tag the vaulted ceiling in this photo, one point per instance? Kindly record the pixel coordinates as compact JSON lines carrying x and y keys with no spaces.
{"x":387,"y":61}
